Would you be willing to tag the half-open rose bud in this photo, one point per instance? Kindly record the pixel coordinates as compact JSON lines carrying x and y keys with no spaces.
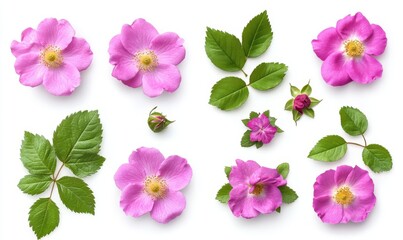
{"x":301,"y":102}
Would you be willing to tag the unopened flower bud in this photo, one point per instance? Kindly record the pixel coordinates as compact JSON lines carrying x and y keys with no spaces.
{"x":157,"y":121}
{"x":301,"y":102}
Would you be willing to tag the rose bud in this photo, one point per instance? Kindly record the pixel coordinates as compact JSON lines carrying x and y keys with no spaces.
{"x":301,"y":102}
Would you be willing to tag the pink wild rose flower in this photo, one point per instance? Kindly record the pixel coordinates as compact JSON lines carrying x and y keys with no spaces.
{"x":348,"y":51}
{"x":261,"y":129}
{"x":343,"y":195}
{"x":143,"y":57}
{"x":254,"y":189}
{"x":151,"y":183}
{"x":51,"y":55}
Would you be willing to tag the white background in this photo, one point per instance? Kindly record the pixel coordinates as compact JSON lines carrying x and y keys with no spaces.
{"x":207,"y":137}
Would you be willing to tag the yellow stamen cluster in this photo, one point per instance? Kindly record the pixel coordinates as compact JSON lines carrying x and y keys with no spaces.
{"x":146,"y":60}
{"x":354,"y":48}
{"x":257,"y":190}
{"x":51,"y":57}
{"x":155,"y":187}
{"x":343,"y":196}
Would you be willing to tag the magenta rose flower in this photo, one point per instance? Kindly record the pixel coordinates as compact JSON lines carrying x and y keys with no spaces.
{"x":151,"y":183}
{"x":51,"y":55}
{"x":254,"y":189}
{"x":348,"y":51}
{"x":143,"y":57}
{"x":301,"y":102}
{"x":343,"y":195}
{"x":261,"y":129}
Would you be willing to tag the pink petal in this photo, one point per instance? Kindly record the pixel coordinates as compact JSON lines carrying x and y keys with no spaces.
{"x":333,"y":70}
{"x":364,"y":70}
{"x":327,"y":43}
{"x":341,"y":175}
{"x":78,"y":54}
{"x":267,"y":176}
{"x":327,"y":210}
{"x":241,"y":204}
{"x":360,"y":182}
{"x":164,"y":77}
{"x":324,"y":185}
{"x":254,"y":124}
{"x":147,"y":159}
{"x":125,"y":70}
{"x":269,"y":201}
{"x":63,"y":80}
{"x":135,"y":202}
{"x":376,"y":43}
{"x":176,"y":172}
{"x":138,"y":36}
{"x":264,"y":119}
{"x":135,"y":82}
{"x":358,"y":211}
{"x":169,"y":207}
{"x":55,"y":33}
{"x":27,"y":44}
{"x":117,"y":52}
{"x":169,"y":48}
{"x":29,"y":68}
{"x":354,"y":26}
{"x":241,"y":173}
{"x":29,"y":35}
{"x":128,"y":174}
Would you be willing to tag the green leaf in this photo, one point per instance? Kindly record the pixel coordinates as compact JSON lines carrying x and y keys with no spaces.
{"x":296,"y":115}
{"x":253,"y":115}
{"x":288,"y":194}
{"x":294,"y":91}
{"x":245,"y":141}
{"x":278,"y":210}
{"x":289,"y":105}
{"x":257,"y":35}
{"x":77,"y":135}
{"x":227,"y":171}
{"x":329,"y":149}
{"x":314,"y":102}
{"x":245,"y":122}
{"x":223,"y":193}
{"x":43,"y":217}
{"x":37,"y":155}
{"x":283,"y":169}
{"x":309,"y":112}
{"x":377,"y":158}
{"x":76,"y":195}
{"x":85,"y":165}
{"x":353,"y":121}
{"x":229,"y":93}
{"x":34,"y":184}
{"x":258,"y":144}
{"x":307,"y":89}
{"x":224,"y":50}
{"x":267,"y":76}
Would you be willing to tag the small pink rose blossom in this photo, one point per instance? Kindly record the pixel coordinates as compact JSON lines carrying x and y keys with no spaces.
{"x":143,"y":57}
{"x":301,"y":102}
{"x":51,"y":55}
{"x":348,"y":51}
{"x":343,"y":195}
{"x":261,"y":129}
{"x":254,"y":189}
{"x":151,"y":183}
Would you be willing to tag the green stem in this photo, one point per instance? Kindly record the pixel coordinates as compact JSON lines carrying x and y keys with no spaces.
{"x":365,"y":140}
{"x":55,"y":179}
{"x":246,"y":75}
{"x":357,"y":144}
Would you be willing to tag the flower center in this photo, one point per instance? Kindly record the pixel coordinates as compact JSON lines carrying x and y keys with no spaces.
{"x":354,"y":48}
{"x":146,"y":60}
{"x":155,"y":187}
{"x":343,"y":196}
{"x":51,"y":57}
{"x":257,"y":189}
